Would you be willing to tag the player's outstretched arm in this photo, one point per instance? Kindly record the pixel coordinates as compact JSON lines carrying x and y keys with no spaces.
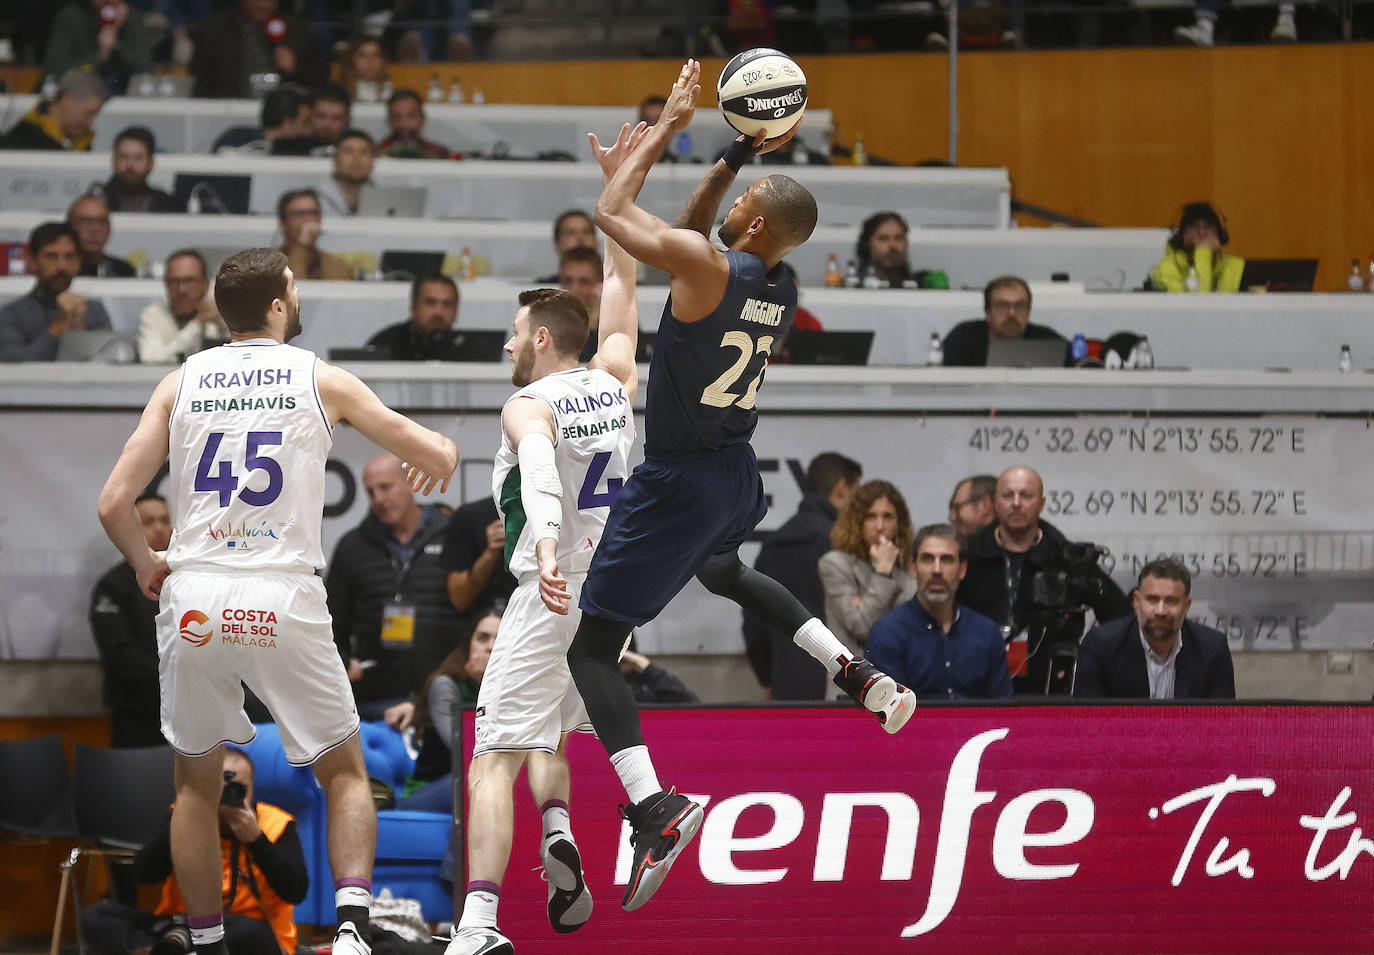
{"x":138,"y":464}
{"x":702,"y":208}
{"x":431,"y":457}
{"x":529,"y":427}
{"x":618,"y":330}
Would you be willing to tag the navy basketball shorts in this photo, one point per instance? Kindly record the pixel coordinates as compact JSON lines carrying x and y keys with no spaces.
{"x":676,"y":514}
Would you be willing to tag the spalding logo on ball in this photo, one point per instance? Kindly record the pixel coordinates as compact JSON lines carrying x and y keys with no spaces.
{"x":762,"y":90}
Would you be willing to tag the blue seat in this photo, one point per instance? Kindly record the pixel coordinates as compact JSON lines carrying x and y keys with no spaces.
{"x":410,"y":845}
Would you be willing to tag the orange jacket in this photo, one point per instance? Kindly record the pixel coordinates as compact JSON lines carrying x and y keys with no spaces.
{"x":266,"y":904}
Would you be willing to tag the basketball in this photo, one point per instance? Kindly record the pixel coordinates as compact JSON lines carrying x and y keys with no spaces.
{"x":762,"y":90}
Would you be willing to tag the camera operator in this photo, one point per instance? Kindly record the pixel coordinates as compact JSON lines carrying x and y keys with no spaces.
{"x":264,"y":876}
{"x":1035,"y":584}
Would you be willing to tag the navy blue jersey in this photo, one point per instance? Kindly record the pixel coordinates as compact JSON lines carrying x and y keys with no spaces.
{"x":704,"y":376}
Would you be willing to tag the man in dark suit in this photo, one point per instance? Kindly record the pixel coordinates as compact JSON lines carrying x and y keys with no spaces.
{"x":1158,"y":654}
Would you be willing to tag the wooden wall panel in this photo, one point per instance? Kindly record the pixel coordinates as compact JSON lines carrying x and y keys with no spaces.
{"x":1277,"y":137}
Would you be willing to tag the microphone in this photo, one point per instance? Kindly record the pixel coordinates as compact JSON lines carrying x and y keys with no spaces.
{"x":109,"y":14}
{"x":276,"y":30}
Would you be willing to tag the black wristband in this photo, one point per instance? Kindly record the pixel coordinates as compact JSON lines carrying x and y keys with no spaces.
{"x":737,"y":154}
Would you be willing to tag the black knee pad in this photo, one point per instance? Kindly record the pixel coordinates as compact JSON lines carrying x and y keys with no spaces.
{"x":722,"y":578}
{"x":599,"y":641}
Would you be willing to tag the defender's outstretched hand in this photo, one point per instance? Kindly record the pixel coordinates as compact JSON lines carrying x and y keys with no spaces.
{"x":610,"y":157}
{"x":682,"y":99}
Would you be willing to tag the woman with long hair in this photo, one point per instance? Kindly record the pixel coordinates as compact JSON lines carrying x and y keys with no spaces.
{"x":365,"y":65}
{"x":430,"y":786}
{"x":868,"y":572}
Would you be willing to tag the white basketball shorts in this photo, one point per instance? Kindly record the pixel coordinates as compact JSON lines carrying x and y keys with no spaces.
{"x":527,"y":700}
{"x":270,"y":631}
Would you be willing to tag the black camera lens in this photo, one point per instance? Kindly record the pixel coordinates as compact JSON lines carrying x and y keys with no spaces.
{"x":233,"y":794}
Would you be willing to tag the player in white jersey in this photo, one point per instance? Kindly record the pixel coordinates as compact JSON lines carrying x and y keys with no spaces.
{"x":248,"y":427}
{"x":565,"y":449}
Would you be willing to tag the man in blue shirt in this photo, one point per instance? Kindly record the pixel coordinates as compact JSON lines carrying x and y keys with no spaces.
{"x":940,"y":650}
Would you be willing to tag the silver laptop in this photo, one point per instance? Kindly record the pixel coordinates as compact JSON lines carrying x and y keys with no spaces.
{"x":1027,"y":353}
{"x":403,"y":202}
{"x":101,"y":345}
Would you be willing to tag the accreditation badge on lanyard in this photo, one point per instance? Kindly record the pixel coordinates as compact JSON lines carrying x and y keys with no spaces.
{"x":398,"y":626}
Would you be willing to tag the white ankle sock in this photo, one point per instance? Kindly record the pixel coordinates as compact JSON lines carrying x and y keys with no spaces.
{"x":636,"y":772}
{"x":479,"y":908}
{"x":816,"y":639}
{"x":556,"y":818}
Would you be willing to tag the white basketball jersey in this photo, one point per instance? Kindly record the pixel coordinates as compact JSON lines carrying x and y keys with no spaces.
{"x":249,"y":441}
{"x":594,"y":429}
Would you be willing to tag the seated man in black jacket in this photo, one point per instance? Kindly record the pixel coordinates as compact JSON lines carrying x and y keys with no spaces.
{"x":790,"y":556}
{"x":1035,"y":584}
{"x":1006,"y":315}
{"x":1157,"y":653}
{"x":264,"y":878}
{"x":123,"y":622}
{"x":428,"y":335}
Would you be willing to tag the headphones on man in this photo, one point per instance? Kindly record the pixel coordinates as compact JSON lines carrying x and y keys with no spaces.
{"x":1199,"y":212}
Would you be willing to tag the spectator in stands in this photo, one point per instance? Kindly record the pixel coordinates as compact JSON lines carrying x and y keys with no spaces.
{"x":474,"y":557}
{"x":103,"y":37}
{"x":649,"y":682}
{"x":300,"y":218}
{"x":971,"y":506}
{"x":182,"y":17}
{"x":881,"y":255}
{"x":937,"y":649}
{"x":32,"y":326}
{"x":264,"y":878}
{"x":285,"y":117}
{"x":1006,"y":315}
{"x":457,"y":679}
{"x":1200,"y":32}
{"x":650,"y":108}
{"x":791,"y":556}
{"x":405,"y":117}
{"x":867,"y":572}
{"x":1193,"y":257}
{"x":252,"y":38}
{"x":89,"y":217}
{"x":429,"y":333}
{"x":364,"y":74}
{"x":1005,"y":561}
{"x":353,"y":162}
{"x":1157,"y":653}
{"x":572,"y":229}
{"x":392,"y":619}
{"x":64,"y":123}
{"x":128,"y":190}
{"x":123,"y":623}
{"x":189,"y":321}
{"x":331,"y":112}
{"x":579,"y":272}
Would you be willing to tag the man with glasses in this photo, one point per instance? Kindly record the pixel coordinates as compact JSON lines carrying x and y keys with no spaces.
{"x":1006,"y":315}
{"x":188,"y":322}
{"x":89,"y":217}
{"x":971,"y":505}
{"x":301,"y":220}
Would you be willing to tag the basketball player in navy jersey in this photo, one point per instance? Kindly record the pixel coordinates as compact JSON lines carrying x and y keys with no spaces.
{"x":697,"y":497}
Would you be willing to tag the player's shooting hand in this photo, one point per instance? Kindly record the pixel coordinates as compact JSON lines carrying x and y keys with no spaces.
{"x":553,"y":589}
{"x":682,"y":99}
{"x":151,"y":573}
{"x":611,"y":157}
{"x":762,"y":145}
{"x":884,"y":555}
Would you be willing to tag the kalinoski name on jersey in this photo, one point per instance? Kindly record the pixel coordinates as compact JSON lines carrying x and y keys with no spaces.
{"x":589,"y":403}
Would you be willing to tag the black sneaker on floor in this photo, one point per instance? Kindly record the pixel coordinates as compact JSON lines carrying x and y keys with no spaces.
{"x":877,"y":692}
{"x":660,"y":828}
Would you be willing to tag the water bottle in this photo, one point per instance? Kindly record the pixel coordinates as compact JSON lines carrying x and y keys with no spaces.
{"x":49,"y":87}
{"x":833,"y":278}
{"x":478,"y":97}
{"x":436,"y":89}
{"x":1079,"y":349}
{"x":682,"y":146}
{"x":455,"y":91}
{"x":1144,"y":355}
{"x":193,"y":203}
{"x":387,"y":90}
{"x":1192,"y":283}
{"x":800,"y":157}
{"x":145,"y":86}
{"x":165,"y":86}
{"x":1369,"y":276}
{"x":466,"y":271}
{"x":1356,"y":280}
{"x":857,"y":153}
{"x":1346,"y":363}
{"x":935,"y":352}
{"x":17,"y":263}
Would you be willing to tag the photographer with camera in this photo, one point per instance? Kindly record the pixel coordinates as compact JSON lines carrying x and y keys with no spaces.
{"x":264,"y":876}
{"x":1036,"y":585}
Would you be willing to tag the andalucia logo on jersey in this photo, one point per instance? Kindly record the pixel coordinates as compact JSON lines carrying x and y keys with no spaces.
{"x":190,"y":621}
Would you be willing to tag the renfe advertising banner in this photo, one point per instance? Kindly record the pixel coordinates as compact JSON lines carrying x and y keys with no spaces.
{"x":1020,"y":829}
